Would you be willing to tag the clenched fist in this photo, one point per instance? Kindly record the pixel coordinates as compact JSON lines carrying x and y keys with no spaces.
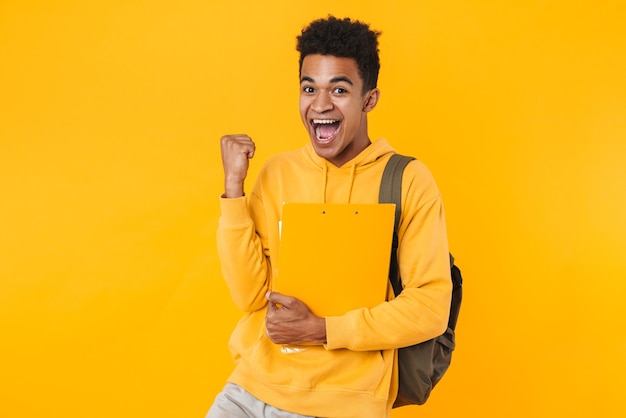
{"x":236,"y":152}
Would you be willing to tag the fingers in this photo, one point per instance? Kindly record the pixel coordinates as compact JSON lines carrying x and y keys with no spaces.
{"x":238,"y":144}
{"x":289,"y":321}
{"x":280,"y":322}
{"x":286,"y":308}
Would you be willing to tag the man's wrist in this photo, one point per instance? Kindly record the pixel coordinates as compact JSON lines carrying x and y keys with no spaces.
{"x":233,"y":192}
{"x":321,"y":330}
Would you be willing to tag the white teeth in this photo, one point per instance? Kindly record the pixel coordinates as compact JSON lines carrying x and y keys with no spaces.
{"x":324,"y":121}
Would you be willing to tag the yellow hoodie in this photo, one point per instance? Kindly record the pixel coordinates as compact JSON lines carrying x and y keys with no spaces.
{"x":353,"y":375}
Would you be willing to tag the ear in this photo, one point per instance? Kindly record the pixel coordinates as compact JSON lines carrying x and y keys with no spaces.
{"x":371,"y":100}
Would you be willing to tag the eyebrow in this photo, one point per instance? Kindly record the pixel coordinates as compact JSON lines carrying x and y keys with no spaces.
{"x":332,"y":80}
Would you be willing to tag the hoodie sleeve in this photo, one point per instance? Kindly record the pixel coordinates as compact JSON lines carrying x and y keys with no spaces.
{"x":421,"y":311}
{"x":245,"y":265}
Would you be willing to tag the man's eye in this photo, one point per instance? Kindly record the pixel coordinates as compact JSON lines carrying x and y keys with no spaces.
{"x":340,"y":90}
{"x":308,"y":89}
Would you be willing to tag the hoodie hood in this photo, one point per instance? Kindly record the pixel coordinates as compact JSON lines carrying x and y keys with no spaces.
{"x":369,"y":157}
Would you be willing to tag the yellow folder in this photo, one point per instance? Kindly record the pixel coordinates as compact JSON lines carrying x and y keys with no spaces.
{"x":335,"y":257}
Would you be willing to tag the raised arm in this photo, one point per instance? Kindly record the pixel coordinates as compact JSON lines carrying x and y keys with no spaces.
{"x":243,"y":258}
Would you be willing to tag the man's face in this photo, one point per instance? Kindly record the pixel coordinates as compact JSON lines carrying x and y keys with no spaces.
{"x":333,"y":107}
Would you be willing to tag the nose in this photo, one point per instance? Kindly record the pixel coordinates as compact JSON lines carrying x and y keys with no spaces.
{"x":322,"y":103}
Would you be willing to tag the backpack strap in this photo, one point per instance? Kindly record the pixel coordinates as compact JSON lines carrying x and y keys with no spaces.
{"x":391,"y":192}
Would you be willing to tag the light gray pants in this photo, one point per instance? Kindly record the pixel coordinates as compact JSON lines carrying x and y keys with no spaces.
{"x":235,"y":402}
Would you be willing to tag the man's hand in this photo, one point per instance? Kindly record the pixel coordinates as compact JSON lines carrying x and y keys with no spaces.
{"x":236,"y":151}
{"x":290,"y":321}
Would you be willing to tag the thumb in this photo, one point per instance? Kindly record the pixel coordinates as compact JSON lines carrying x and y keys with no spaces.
{"x":276,"y":298}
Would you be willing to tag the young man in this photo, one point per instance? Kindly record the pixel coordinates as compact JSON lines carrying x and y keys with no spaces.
{"x":347,"y":368}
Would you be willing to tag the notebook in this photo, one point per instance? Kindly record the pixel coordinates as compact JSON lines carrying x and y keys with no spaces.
{"x":335,"y":257}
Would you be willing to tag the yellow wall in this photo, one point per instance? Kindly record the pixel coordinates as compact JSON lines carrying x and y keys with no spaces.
{"x":111,"y":300}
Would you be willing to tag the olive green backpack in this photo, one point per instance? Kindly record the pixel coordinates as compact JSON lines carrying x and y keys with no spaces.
{"x":422,"y":365}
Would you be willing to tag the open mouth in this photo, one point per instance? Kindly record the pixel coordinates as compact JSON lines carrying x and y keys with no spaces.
{"x":326,"y":129}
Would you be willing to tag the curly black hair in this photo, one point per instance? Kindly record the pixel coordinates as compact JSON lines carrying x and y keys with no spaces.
{"x":343,"y":38}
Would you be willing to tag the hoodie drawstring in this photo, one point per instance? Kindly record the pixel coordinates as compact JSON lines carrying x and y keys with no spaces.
{"x":350,"y":187}
{"x":325,"y":172}
{"x":352,"y":174}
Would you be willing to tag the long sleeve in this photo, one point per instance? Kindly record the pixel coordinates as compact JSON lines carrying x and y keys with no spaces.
{"x":245,"y":264}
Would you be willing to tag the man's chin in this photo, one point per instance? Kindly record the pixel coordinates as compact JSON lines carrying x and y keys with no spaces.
{"x":325,"y":152}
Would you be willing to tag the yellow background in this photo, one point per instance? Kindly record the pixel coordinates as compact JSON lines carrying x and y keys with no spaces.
{"x":111,"y":299}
